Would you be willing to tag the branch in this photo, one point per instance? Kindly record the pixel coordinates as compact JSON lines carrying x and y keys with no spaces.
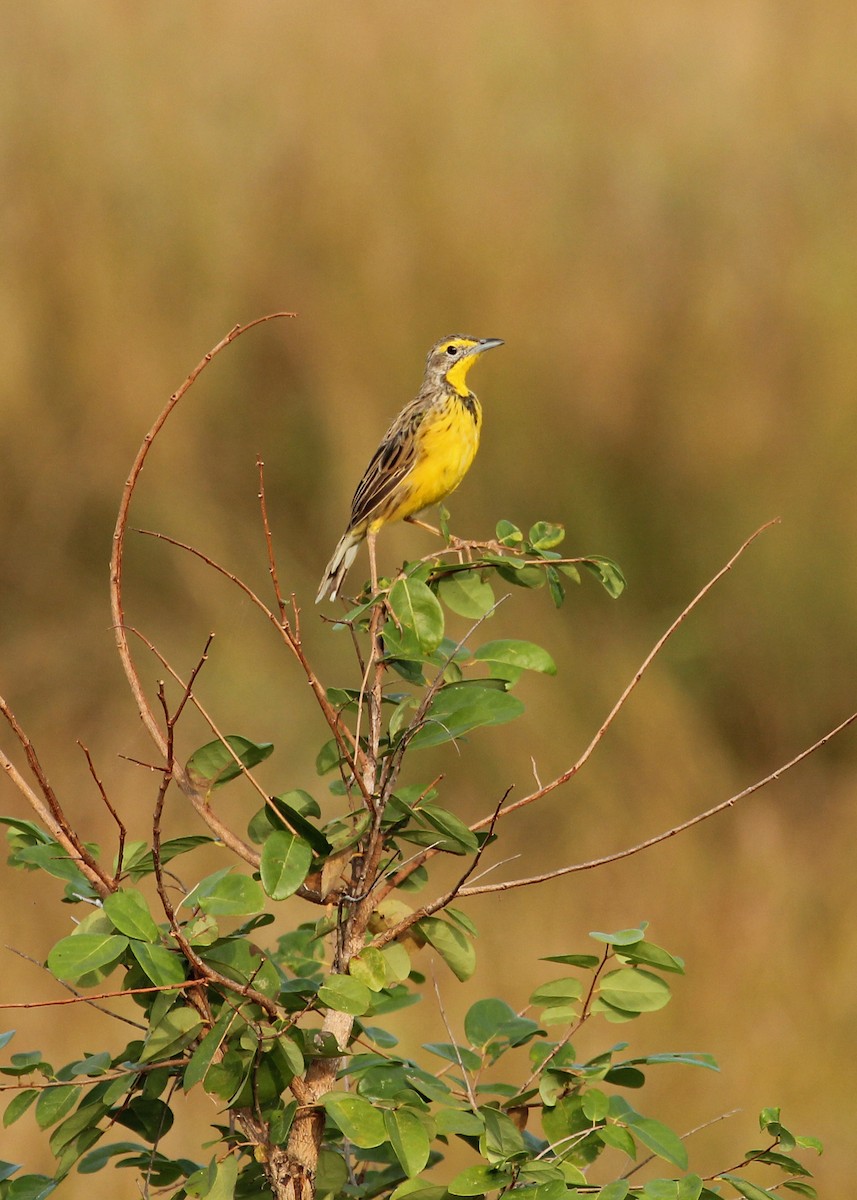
{"x":337,"y":727}
{"x":48,"y":808}
{"x":144,"y":708}
{"x":620,"y":703}
{"x":663,"y":837}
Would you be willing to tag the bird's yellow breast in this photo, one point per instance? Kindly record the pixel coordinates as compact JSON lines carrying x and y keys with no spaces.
{"x":448,"y":439}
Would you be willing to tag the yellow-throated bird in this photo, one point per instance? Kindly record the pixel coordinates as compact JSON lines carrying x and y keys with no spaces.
{"x":423,"y":456}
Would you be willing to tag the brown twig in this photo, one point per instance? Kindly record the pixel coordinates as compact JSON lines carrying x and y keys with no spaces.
{"x":123,"y":832}
{"x":441,"y":902}
{"x":144,"y":708}
{"x":269,"y":543}
{"x":48,"y":808}
{"x":545,"y":789}
{"x":345,"y":739}
{"x":670,"y":833}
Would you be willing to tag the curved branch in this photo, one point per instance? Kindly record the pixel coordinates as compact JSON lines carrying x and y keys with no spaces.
{"x":144,"y":708}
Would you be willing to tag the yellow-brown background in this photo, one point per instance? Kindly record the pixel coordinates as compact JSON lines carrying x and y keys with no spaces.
{"x":655,"y":206}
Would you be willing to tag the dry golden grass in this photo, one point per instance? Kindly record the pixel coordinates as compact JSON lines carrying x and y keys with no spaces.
{"x":654,"y":206}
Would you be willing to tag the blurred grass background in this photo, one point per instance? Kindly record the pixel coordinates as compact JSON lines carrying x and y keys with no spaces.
{"x":654,"y":206}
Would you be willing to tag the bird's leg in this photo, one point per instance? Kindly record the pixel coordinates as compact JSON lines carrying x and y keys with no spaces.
{"x":424,"y":525}
{"x":373,"y":569}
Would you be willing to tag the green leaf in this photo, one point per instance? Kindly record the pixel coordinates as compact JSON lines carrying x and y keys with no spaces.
{"x":397,"y":961}
{"x":459,"y":1120}
{"x":55,"y":1103}
{"x":328,"y":757}
{"x":801,"y":1188}
{"x":451,"y":827}
{"x":515,"y":653}
{"x":162,"y":966}
{"x":619,"y":1138}
{"x":624,"y":937}
{"x":465,"y":593}
{"x":586,"y":961}
{"x":502,"y":1138}
{"x":659,"y":1138}
{"x":595,"y":1105}
{"x":177,"y":1030}
{"x":774,"y":1158}
{"x":608,"y":574}
{"x":345,"y":994}
{"x":745,"y":1188}
{"x":459,"y":708}
{"x":29,"y":1187}
{"x":215,"y":763}
{"x":688,"y":1058}
{"x":454,"y":947}
{"x":203,"y":1055}
{"x":478,"y":1181}
{"x":810,"y":1143}
{"x":129,"y":913}
{"x":650,"y":955}
{"x":224,"y":1180}
{"x":660,"y":1189}
{"x":508,"y":534}
{"x":370,"y":968}
{"x":143,"y":863}
{"x":18,"y":1105}
{"x":224,"y":894}
{"x":545,"y":535}
{"x":285,"y":864}
{"x":689,"y":1188}
{"x":360,"y":1121}
{"x":409,"y":1139}
{"x":617,"y":1190}
{"x":81,"y":953}
{"x":484,"y":1020}
{"x":634,"y":990}
{"x":462,"y":1056}
{"x":565,"y":990}
{"x":417,"y":609}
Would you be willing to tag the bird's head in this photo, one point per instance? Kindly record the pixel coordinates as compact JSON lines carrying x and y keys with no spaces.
{"x":451,"y":358}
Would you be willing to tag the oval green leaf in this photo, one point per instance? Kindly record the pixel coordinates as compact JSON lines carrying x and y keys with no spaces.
{"x":359,"y":1120}
{"x":454,"y":947}
{"x":459,"y":708}
{"x":215,"y":763}
{"x":80,"y":953}
{"x":224,"y":894}
{"x":466,"y":594}
{"x":634,"y":990}
{"x":345,"y":994}
{"x":129,"y":913}
{"x":417,"y":610}
{"x":285,"y":864}
{"x":409,"y":1139}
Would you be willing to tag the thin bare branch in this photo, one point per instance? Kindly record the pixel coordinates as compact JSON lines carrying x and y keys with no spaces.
{"x":269,"y":544}
{"x":123,"y":832}
{"x":344,"y":737}
{"x":545,"y":789}
{"x":147,"y":715}
{"x":48,"y":808}
{"x":670,"y":833}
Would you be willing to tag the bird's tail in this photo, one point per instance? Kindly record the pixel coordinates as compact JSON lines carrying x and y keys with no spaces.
{"x":337,"y":568}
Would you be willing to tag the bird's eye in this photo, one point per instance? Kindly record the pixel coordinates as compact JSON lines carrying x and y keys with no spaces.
{"x":452,"y":350}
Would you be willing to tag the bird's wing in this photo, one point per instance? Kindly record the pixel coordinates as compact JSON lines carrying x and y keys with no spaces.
{"x":390,"y":465}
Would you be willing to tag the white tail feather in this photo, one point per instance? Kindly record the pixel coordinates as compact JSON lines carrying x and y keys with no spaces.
{"x":337,"y":568}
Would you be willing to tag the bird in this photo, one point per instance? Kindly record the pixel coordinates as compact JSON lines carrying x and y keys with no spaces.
{"x":422,"y":458}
